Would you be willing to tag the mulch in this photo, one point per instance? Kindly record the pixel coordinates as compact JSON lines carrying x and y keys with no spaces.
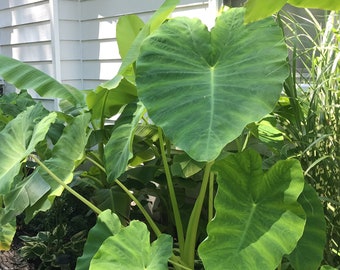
{"x":11,"y":259}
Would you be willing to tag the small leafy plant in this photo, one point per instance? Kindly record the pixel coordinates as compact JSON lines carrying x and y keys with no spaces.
{"x":49,"y":249}
{"x":179,"y":157}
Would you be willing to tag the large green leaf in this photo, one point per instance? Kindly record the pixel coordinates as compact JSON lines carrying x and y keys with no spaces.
{"x":67,"y":151}
{"x":131,"y":249}
{"x":25,"y":194}
{"x":128,"y":28}
{"x":153,"y":23}
{"x":203,"y":88}
{"x":24,"y":76}
{"x":107,"y":225}
{"x":259,"y":9}
{"x":118,"y":150}
{"x":308,"y":253}
{"x":258,"y":218}
{"x":18,"y":140}
{"x":324,"y":4}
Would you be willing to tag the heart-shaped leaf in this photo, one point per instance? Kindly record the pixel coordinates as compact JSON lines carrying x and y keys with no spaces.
{"x":204,"y":87}
{"x":258,"y":218}
{"x":131,"y":249}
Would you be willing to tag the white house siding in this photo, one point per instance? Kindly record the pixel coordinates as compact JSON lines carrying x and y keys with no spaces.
{"x":75,"y":40}
{"x":25,"y":32}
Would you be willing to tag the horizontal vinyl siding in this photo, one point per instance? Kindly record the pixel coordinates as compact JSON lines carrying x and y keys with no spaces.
{"x":25,"y":14}
{"x":28,"y":52}
{"x":25,"y":32}
{"x":16,"y":3}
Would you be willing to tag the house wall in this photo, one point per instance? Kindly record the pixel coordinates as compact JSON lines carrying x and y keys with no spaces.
{"x":25,"y":32}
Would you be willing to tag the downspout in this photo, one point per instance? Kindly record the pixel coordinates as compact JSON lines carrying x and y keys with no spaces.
{"x":55,"y":43}
{"x":55,"y":39}
{"x":213,"y":8}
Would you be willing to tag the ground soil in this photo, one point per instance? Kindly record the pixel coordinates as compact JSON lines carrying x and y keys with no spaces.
{"x":11,"y":260}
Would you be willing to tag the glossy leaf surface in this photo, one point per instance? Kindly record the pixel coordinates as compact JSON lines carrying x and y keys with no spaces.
{"x":258,"y":218}
{"x":131,"y":249}
{"x":203,"y":87}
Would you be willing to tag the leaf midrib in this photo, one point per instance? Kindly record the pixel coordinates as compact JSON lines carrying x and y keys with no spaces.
{"x":247,"y":226}
{"x":212,"y":102}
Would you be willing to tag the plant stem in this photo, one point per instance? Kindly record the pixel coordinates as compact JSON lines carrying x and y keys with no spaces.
{"x":69,"y":189}
{"x":102,"y":125}
{"x":96,"y":163}
{"x":245,"y":142}
{"x":211,"y":197}
{"x":141,"y":208}
{"x":191,"y":235}
{"x":279,"y":266}
{"x":174,"y":204}
{"x":178,"y":265}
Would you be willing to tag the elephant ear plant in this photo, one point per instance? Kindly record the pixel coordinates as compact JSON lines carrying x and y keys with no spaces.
{"x":181,"y":89}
